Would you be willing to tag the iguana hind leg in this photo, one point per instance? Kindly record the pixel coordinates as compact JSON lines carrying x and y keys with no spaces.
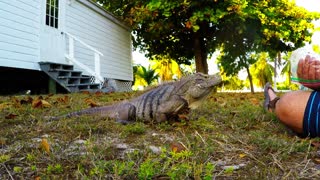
{"x":126,"y":114}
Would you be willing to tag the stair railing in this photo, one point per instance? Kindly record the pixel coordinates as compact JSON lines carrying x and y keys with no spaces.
{"x":72,"y":60}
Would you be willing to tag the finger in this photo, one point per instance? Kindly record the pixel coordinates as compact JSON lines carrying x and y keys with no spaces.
{"x":305,"y":69}
{"x":317,"y":69}
{"x":307,"y":58}
{"x":311,"y":72}
{"x":300,"y":68}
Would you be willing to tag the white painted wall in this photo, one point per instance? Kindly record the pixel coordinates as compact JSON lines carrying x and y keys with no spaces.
{"x":103,"y":32}
{"x":21,"y":25}
{"x":19,"y":33}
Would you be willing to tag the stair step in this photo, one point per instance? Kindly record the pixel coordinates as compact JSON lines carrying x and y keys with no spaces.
{"x":83,"y":84}
{"x":74,"y":79}
{"x":71,"y":80}
{"x":90,"y":86}
{"x":47,"y":66}
{"x":82,"y":87}
{"x":65,"y":73}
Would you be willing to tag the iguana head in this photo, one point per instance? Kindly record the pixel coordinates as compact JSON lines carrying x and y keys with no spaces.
{"x":198,"y":86}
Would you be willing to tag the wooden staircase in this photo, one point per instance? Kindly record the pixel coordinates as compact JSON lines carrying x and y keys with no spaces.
{"x":68,"y":78}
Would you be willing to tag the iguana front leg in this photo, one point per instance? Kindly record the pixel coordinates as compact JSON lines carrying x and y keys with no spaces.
{"x":170,"y":108}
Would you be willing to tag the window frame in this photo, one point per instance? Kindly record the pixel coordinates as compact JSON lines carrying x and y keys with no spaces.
{"x":52,"y":13}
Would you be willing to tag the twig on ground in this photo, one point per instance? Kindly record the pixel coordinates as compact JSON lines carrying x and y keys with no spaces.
{"x":197,"y":133}
{"x":7,"y":170}
{"x":307,"y":153}
{"x":252,"y":156}
{"x":276,"y":161}
{"x":287,"y":175}
{"x":313,"y":175}
{"x":305,"y":167}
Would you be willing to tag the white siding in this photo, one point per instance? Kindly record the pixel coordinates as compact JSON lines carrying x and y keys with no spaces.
{"x":19,"y":33}
{"x":108,"y":37}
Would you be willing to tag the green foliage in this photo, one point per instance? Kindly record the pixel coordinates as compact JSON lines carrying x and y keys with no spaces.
{"x":17,"y":169}
{"x":167,"y":69}
{"x":4,"y":158}
{"x":117,"y":167}
{"x":209,"y":169}
{"x":229,"y":170}
{"x":33,"y":168}
{"x":55,"y":169}
{"x":31,"y":157}
{"x":144,"y":76}
{"x":262,"y":71}
{"x":231,"y":82}
{"x":148,"y":169}
{"x":189,"y":29}
{"x":134,"y":129}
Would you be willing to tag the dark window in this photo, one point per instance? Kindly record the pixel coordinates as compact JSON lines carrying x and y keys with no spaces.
{"x":52,"y":9}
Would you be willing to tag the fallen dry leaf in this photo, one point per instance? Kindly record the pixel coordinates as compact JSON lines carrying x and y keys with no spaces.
{"x":316,"y":160}
{"x":5,"y":105}
{"x":64,"y":99}
{"x":16,"y":102}
{"x":45,"y":145}
{"x":85,"y":92}
{"x":91,"y":102}
{"x":183,"y":116}
{"x":315,"y":144}
{"x":188,"y":25}
{"x":10,"y":116}
{"x":39,"y":103}
{"x":254,"y":101}
{"x":98,"y":93}
{"x":242,"y":155}
{"x":40,"y":97}
{"x":2,"y":141}
{"x":177,"y":147}
{"x":28,"y":100}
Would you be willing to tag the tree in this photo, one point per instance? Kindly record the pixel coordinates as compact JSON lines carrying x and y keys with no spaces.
{"x":231,"y":83}
{"x":261,"y":70}
{"x":265,"y":29}
{"x":239,"y":49}
{"x":190,"y":29}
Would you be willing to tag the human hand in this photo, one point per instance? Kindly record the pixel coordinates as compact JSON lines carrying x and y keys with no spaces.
{"x":309,"y":68}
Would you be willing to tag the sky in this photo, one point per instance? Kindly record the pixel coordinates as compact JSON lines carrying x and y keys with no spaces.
{"x":310,"y":5}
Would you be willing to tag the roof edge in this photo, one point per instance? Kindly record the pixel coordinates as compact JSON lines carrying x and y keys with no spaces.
{"x":94,"y":6}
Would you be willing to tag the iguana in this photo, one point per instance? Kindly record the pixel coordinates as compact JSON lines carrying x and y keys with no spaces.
{"x":159,"y":104}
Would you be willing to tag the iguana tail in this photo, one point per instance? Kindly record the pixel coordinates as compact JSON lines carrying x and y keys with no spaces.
{"x":121,"y":112}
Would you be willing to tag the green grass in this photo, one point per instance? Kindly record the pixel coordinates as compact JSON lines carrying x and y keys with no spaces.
{"x":228,"y":137}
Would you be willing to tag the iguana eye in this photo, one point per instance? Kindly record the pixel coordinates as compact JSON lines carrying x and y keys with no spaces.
{"x":200,"y":80}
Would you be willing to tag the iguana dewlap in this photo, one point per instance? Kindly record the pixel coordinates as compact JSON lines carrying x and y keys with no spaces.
{"x":159,"y":104}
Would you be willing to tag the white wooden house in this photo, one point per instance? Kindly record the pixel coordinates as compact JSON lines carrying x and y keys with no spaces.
{"x":37,"y":36}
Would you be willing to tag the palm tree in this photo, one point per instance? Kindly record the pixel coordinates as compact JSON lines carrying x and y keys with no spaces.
{"x":167,"y":69}
{"x":145,"y":76}
{"x":262,"y":71}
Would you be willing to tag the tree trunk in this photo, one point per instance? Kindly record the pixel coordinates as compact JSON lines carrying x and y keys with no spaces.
{"x":275,"y":75}
{"x":275,"y":69}
{"x":200,"y":53}
{"x":250,"y":80}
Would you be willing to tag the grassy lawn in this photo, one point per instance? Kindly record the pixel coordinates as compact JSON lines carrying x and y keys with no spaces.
{"x":228,"y":137}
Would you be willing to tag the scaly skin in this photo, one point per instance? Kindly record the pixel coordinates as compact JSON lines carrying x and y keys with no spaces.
{"x":159,"y":104}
